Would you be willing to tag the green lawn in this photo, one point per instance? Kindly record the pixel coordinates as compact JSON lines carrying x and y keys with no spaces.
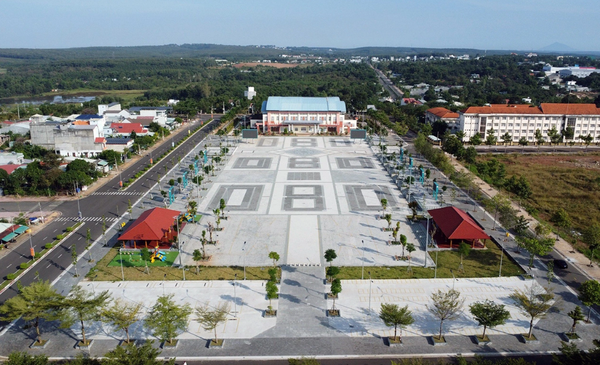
{"x":135,"y":260}
{"x":479,"y":263}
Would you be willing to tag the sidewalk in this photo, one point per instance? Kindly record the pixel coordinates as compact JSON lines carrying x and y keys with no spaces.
{"x":574,"y":257}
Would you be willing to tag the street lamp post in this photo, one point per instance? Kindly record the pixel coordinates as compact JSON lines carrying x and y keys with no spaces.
{"x":78,"y":206}
{"x":362,"y":275}
{"x":427,"y":239}
{"x":436,"y":265}
{"x":453,"y":279}
{"x":370,"y":282}
{"x":234,"y":296}
{"x":31,"y":250}
{"x":244,"y":250}
{"x":501,"y":256}
{"x":121,"y":260}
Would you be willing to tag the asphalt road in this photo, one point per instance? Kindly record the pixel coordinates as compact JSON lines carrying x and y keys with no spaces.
{"x":110,"y":206}
{"x":572,"y":276}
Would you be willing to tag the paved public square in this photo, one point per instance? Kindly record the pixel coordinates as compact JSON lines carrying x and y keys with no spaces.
{"x":247,"y":303}
{"x":300,"y":196}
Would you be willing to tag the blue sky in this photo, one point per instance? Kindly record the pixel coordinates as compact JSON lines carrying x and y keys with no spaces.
{"x":482,"y":24}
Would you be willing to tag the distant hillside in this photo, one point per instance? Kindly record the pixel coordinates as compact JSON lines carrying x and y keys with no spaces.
{"x":235,"y":53}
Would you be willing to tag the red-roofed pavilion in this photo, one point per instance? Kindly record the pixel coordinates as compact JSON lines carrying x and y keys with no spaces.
{"x":452,"y":225}
{"x":155,"y":228}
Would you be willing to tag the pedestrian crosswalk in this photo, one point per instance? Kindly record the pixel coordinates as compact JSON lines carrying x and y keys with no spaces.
{"x":86,"y":219}
{"x":117,"y":193}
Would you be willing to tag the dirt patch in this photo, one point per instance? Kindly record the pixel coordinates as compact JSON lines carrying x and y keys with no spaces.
{"x":276,"y":65}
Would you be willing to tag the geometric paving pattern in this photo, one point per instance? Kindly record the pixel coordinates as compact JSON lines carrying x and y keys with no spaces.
{"x":252,"y":163}
{"x":368,"y":197}
{"x":354,"y":163}
{"x":304,"y":198}
{"x":238,"y":197}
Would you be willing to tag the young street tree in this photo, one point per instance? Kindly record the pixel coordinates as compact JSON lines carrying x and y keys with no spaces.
{"x":331,"y":272}
{"x":576,"y":315}
{"x":589,"y":294}
{"x":384,"y":204}
{"x":272,"y":293}
{"x":536,"y":246}
{"x":166,"y":319}
{"x":197,"y":256}
{"x":330,"y":255}
{"x":74,"y":259}
{"x":209,"y":318}
{"x":81,"y":305}
{"x":489,"y":314}
{"x":34,"y":302}
{"x":591,"y":237}
{"x":410,"y":248}
{"x":393,"y":315}
{"x":445,"y":306}
{"x":464,"y":250}
{"x":121,"y":315}
{"x":274,"y":256}
{"x":533,"y":302}
{"x":336,"y":288}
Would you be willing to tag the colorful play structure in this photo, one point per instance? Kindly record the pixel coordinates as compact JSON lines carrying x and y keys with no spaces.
{"x":158,"y":255}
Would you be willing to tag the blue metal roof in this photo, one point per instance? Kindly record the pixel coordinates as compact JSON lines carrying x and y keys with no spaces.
{"x":304,"y":104}
{"x":88,"y":117}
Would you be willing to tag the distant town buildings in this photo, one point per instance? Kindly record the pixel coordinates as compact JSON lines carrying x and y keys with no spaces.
{"x":442,"y":115}
{"x":576,"y":70}
{"x":305,"y":115}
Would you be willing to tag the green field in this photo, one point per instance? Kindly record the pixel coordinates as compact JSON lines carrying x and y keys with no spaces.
{"x":479,"y":263}
{"x":135,"y":260}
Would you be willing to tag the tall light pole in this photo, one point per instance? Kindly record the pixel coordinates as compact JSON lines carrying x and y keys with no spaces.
{"x":31,"y":250}
{"x":76,"y":187}
{"x":234,"y":296}
{"x":244,"y":250}
{"x":501,"y":256}
{"x":427,"y":239}
{"x":370,"y":282}
{"x":436,"y":264}
{"x":453,"y":279}
{"x":362,"y":275}
{"x":41,"y":215}
{"x":121,"y":260}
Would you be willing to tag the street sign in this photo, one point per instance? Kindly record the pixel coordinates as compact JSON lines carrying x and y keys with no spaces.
{"x":250,"y":133}
{"x":358,"y":134}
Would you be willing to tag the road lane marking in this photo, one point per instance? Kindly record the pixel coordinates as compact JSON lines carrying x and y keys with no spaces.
{"x":59,"y":256}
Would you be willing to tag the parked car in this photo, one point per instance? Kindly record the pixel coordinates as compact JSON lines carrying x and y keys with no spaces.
{"x":560,"y":264}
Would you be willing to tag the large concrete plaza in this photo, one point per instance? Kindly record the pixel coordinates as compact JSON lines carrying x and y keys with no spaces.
{"x":300,"y":197}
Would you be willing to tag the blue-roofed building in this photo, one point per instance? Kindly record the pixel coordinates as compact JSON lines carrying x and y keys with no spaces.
{"x":304,"y":115}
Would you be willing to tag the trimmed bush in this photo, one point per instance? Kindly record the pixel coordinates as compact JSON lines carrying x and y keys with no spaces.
{"x":11,"y":276}
{"x":69,"y":229}
{"x":24,"y":265}
{"x":48,"y":245}
{"x":37,"y":255}
{"x":60,"y":237}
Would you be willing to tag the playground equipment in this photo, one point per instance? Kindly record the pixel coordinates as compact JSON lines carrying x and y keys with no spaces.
{"x":158,"y":255}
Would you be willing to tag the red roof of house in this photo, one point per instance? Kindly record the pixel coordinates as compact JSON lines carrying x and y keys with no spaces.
{"x":151,"y":225}
{"x":456,"y":224}
{"x":412,"y":101}
{"x":11,"y":168}
{"x":570,"y":109}
{"x":443,"y":113}
{"x":100,"y":140}
{"x":128,"y":128}
{"x":544,"y":108}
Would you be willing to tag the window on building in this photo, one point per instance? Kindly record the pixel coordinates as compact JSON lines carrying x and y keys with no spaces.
{"x":571,"y":122}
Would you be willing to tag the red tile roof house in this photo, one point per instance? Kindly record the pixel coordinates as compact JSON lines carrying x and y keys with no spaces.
{"x":11,"y":168}
{"x":452,"y":225}
{"x":125,"y":129}
{"x":155,"y":228}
